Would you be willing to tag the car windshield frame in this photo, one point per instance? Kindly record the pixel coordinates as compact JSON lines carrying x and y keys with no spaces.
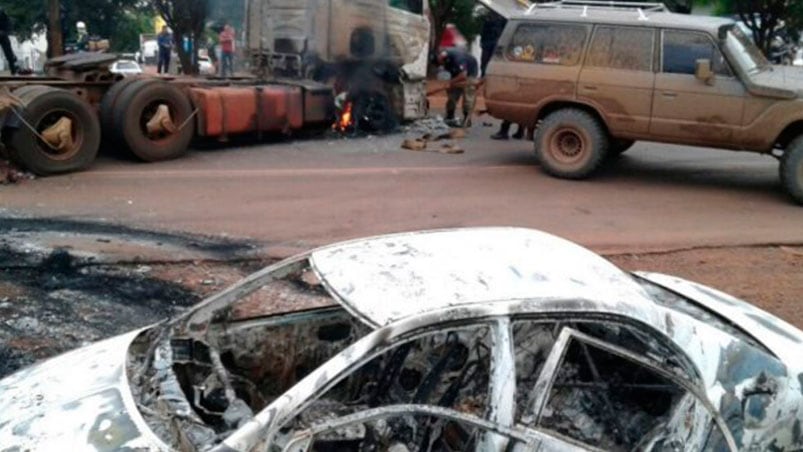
{"x":743,"y":51}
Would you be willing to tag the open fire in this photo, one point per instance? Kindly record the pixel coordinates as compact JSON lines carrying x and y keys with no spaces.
{"x":345,"y":119}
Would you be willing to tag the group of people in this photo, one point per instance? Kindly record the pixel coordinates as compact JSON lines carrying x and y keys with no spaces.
{"x":464,"y":71}
{"x":226,"y":37}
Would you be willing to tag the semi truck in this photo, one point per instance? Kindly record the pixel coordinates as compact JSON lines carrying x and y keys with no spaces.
{"x":307,"y":56}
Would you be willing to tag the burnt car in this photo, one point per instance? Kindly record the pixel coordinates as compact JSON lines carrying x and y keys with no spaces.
{"x":468,"y":339}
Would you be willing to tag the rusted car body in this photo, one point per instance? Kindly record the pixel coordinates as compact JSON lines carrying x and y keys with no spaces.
{"x":634,"y":71}
{"x":472,"y":339}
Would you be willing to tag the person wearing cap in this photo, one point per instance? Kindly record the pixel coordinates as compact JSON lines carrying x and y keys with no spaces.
{"x":464,"y":70}
{"x":82,"y":43}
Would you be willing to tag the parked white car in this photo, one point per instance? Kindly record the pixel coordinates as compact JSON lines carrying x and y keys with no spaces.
{"x":205,"y":66}
{"x":798,"y":58}
{"x":126,"y":67}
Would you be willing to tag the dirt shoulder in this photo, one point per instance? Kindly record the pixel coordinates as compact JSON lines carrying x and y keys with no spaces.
{"x":61,"y":301}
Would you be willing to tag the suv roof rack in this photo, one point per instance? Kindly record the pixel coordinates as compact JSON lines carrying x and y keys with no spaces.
{"x":585,"y":5}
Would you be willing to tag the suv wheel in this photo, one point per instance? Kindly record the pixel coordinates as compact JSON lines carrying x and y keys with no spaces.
{"x":792,"y":169}
{"x":571,"y":144}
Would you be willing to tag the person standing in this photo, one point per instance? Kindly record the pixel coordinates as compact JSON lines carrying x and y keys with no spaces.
{"x":82,"y":39}
{"x":5,"y":42}
{"x":464,"y":70}
{"x":492,"y":26}
{"x":164,"y":42}
{"x":226,"y":39}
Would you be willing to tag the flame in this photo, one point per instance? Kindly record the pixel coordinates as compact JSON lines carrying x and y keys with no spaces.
{"x":346,"y":120}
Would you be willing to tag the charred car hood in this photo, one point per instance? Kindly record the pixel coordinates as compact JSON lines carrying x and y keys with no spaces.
{"x":77,"y":401}
{"x":782,"y":339}
{"x":782,"y":82}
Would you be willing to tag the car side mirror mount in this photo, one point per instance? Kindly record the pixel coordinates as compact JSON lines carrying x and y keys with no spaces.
{"x":703,"y":72}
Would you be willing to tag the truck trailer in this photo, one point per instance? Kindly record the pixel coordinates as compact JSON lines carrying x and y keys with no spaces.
{"x":367,"y":56}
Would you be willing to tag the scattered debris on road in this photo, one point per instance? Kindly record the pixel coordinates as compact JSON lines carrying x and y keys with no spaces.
{"x":11,"y":174}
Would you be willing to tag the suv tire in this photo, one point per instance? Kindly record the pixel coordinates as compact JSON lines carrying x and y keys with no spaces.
{"x":571,"y":144}
{"x":792,"y":169}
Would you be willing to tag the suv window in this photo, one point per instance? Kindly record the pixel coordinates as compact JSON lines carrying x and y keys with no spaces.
{"x":626,"y":48}
{"x":681,"y":49}
{"x":548,"y":44}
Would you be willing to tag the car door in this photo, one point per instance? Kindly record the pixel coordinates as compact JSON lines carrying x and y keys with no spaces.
{"x":618,"y":77}
{"x":686,"y":109}
{"x":593,"y":394}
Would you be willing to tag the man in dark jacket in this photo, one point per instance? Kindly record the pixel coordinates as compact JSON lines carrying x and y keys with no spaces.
{"x":492,"y":26}
{"x":463,"y":68}
{"x":5,"y":41}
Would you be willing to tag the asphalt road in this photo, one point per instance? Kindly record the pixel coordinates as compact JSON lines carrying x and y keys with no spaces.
{"x":314,"y":191}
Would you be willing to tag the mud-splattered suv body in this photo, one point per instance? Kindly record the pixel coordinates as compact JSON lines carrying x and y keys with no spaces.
{"x":595,"y":79}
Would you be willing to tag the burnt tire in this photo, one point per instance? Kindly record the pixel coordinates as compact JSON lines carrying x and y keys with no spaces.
{"x":791,"y":170}
{"x":373,"y":112}
{"x":137,"y":104}
{"x":44,"y":107}
{"x":571,"y":144}
{"x":107,"y":104}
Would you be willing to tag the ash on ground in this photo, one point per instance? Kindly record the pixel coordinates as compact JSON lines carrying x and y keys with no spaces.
{"x":58,"y":305}
{"x":11,"y":174}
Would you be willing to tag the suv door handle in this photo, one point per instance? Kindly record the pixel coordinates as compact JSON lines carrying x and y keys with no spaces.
{"x":669,"y":94}
{"x":589,"y":87}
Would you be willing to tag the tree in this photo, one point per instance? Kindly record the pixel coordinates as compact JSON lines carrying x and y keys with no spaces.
{"x":120,"y":21}
{"x":187,"y":19}
{"x":763,"y":17}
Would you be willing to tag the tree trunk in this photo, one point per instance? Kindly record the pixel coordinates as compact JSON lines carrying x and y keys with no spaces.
{"x":55,"y":40}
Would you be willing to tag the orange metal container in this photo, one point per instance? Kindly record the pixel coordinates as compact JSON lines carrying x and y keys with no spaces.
{"x":232,"y":110}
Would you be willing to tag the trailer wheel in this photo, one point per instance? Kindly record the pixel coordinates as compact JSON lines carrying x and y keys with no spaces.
{"x":153,"y":120}
{"x":66,"y":121}
{"x":107,"y":104}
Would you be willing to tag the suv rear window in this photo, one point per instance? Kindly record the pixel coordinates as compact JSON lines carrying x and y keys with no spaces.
{"x":548,"y":44}
{"x":627,"y":48}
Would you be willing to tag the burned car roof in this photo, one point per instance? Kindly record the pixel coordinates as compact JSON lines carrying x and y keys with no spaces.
{"x":384,"y":279}
{"x":213,"y":380}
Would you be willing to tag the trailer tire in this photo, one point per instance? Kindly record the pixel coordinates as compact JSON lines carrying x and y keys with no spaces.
{"x":791,"y":169}
{"x":137,"y":104}
{"x":28,"y":90}
{"x":109,"y":133}
{"x":43,"y":108}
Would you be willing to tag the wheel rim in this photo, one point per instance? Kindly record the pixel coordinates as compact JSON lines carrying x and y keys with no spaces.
{"x":567,"y":145}
{"x":148,"y":113}
{"x":48,"y":120}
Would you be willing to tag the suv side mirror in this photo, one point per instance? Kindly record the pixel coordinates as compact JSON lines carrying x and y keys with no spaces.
{"x":703,"y":72}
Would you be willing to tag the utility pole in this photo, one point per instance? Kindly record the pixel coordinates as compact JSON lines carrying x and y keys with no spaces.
{"x":55,"y":38}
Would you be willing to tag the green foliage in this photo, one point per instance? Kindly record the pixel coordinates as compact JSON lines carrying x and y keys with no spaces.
{"x":120,"y":21}
{"x":762,"y":16}
{"x":187,"y":18}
